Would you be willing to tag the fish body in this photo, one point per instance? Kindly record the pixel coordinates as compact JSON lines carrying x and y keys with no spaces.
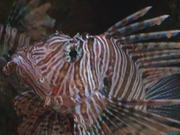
{"x":109,"y":84}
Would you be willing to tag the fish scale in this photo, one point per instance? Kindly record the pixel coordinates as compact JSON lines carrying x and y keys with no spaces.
{"x":109,"y":83}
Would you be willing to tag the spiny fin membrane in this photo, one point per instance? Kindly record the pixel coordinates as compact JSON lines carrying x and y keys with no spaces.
{"x":167,"y":89}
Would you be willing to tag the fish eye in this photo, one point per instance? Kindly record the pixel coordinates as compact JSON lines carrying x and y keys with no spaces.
{"x":72,"y":53}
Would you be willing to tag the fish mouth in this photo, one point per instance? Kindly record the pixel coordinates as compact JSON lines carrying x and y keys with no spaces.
{"x":9,"y":68}
{"x":11,"y":65}
{"x":29,"y":73}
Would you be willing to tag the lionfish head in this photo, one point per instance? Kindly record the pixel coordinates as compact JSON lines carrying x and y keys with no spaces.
{"x":49,"y":66}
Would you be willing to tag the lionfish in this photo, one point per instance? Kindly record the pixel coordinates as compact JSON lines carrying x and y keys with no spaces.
{"x":120,"y":82}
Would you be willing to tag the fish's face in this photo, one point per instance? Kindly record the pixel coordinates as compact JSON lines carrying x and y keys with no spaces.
{"x":51,"y":68}
{"x":27,"y":72}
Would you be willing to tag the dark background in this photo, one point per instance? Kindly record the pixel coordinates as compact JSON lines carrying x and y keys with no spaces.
{"x":92,"y":16}
{"x":95,"y":16}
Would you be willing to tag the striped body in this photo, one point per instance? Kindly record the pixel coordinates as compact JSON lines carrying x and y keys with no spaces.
{"x":76,"y":85}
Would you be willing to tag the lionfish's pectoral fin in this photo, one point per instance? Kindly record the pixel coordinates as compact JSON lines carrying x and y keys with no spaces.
{"x":27,"y":103}
{"x":139,"y":120}
{"x":124,"y":118}
{"x":157,"y":114}
{"x":166,"y":92}
{"x":40,"y":120}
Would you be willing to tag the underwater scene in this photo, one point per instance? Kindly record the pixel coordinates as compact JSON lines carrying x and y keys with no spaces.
{"x":90,"y":67}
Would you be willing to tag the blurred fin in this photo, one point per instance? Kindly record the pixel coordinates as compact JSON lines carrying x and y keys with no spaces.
{"x":47,"y":122}
{"x":40,"y":120}
{"x":11,"y":40}
{"x":28,"y":103}
{"x":31,"y":17}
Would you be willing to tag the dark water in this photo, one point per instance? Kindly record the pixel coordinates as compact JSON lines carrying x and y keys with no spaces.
{"x":95,"y":16}
{"x":92,"y":16}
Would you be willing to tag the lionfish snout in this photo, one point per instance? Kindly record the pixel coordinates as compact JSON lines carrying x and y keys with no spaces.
{"x":17,"y":65}
{"x":12,"y":64}
{"x":9,"y":68}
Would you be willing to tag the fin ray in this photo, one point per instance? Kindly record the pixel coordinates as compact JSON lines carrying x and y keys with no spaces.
{"x":139,"y":26}
{"x":149,"y":36}
{"x":128,"y":20}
